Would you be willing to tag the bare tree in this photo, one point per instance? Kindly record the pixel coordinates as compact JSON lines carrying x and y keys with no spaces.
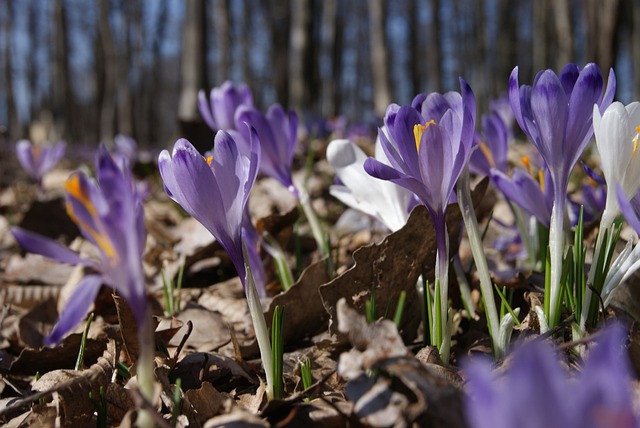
{"x":379,"y":57}
{"x":278,"y":27}
{"x":539,"y":38}
{"x":223,"y":38}
{"x":435,"y":57}
{"x":12,"y":110}
{"x":62,"y":95}
{"x":300,"y":47}
{"x":109,"y":73}
{"x":327,"y":44}
{"x":564,"y":33}
{"x":635,"y":49}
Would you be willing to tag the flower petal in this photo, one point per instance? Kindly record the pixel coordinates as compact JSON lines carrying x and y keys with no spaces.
{"x":39,"y":244}
{"x":77,"y":307}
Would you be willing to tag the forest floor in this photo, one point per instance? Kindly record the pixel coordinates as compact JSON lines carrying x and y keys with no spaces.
{"x":207,"y":362}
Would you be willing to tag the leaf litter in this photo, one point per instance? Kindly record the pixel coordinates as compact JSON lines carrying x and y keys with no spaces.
{"x":207,"y":369}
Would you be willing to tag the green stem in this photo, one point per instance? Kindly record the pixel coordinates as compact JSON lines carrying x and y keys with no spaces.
{"x":259,"y":323}
{"x":475,"y":241}
{"x":144,"y":368}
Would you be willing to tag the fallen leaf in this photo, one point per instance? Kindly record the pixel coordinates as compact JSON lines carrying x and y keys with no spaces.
{"x":394,"y":265}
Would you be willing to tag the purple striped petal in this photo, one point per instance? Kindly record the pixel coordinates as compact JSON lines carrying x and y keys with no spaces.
{"x":39,"y":244}
{"x":77,"y":308}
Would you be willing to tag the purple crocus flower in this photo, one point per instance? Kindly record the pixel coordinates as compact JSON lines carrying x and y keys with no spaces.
{"x":110,"y":215}
{"x":533,"y":196}
{"x":213,"y":190}
{"x":556,"y":114}
{"x":428,"y":150}
{"x":277,"y":132}
{"x":536,"y":391}
{"x":38,"y":159}
{"x":220,"y":110}
{"x":491,"y":146}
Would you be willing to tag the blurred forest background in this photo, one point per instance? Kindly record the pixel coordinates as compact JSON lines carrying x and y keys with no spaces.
{"x":93,"y":68}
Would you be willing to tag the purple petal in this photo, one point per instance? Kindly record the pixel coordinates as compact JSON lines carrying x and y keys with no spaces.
{"x":402,"y":135}
{"x":524,"y":191}
{"x":586,"y":92}
{"x":568,"y":77}
{"x":603,"y":391}
{"x":549,"y":107}
{"x":483,"y":402}
{"x":377,"y":169}
{"x":628,"y":210}
{"x":77,"y":307}
{"x":205,"y":110}
{"x":38,"y":244}
{"x":609,"y":93}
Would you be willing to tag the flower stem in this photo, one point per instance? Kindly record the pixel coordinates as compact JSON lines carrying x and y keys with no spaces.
{"x":259,"y":323}
{"x":144,"y":368}
{"x":605,"y":226}
{"x":314,"y":222}
{"x":441,"y":302}
{"x":556,"y":248}
{"x":475,"y":241}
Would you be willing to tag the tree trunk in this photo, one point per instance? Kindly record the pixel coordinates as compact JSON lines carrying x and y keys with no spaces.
{"x":379,"y":57}
{"x":563,"y":32}
{"x":300,"y":47}
{"x":607,"y":17}
{"x":192,"y":64}
{"x":416,"y":58}
{"x":223,"y":38}
{"x":62,"y":95}
{"x":328,"y":38}
{"x":337,"y":60}
{"x":434,"y":63}
{"x":635,"y":49}
{"x":108,"y":107}
{"x":539,"y":38}
{"x":14,"y":127}
{"x":278,"y":27}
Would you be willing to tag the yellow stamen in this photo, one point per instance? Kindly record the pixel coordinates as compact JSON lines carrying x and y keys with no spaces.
{"x":635,"y":140}
{"x":487,"y":154}
{"x":525,"y":162}
{"x":418,"y":130}
{"x":541,"y":179}
{"x":209,"y":159}
{"x":76,"y":191}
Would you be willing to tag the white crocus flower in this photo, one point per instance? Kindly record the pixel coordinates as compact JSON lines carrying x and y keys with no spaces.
{"x":380,"y":199}
{"x":616,"y":133}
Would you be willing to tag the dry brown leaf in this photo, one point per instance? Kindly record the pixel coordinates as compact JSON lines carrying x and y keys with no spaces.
{"x":222,"y":372}
{"x":210,"y":332}
{"x":393,"y":266}
{"x":119,"y":401}
{"x":236,"y":419}
{"x":70,"y":390}
{"x":64,"y":355}
{"x":203,"y":403}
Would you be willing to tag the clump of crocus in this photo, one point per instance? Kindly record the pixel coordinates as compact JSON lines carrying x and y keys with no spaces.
{"x":536,"y":391}
{"x":556,"y":114}
{"x":215,"y":191}
{"x":110,"y":215}
{"x":428,"y":148}
{"x":38,"y":159}
{"x":616,"y":133}
{"x":384,"y":201}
